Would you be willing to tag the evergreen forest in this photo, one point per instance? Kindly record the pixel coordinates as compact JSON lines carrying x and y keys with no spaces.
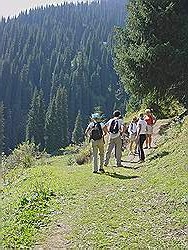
{"x":55,"y":65}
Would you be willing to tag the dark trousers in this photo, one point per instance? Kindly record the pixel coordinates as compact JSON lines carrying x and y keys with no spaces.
{"x":141,"y":141}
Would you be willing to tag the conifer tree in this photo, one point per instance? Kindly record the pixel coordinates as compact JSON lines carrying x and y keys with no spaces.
{"x":62,"y":117}
{"x":78,"y":132}
{"x":51,"y":128}
{"x":65,"y":118}
{"x":151,"y":52}
{"x":36,"y":120}
{"x":56,"y":126}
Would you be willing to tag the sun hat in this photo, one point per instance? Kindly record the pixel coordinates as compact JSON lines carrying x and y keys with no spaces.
{"x":96,"y":116}
{"x":147,"y":111}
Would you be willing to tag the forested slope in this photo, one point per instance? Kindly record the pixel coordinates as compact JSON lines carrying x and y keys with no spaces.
{"x":67,"y":47}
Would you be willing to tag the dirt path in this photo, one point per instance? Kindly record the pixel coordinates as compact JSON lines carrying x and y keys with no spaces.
{"x":56,"y":237}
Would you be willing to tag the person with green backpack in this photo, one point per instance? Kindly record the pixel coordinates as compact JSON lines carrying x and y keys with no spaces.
{"x":96,"y":136}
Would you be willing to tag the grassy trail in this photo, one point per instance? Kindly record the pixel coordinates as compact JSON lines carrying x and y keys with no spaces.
{"x":138,"y":207}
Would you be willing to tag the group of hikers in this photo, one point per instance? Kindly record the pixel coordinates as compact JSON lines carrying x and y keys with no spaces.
{"x":140,"y":130}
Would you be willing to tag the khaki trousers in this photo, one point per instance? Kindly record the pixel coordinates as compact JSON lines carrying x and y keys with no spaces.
{"x":98,"y":147}
{"x":117,"y":143}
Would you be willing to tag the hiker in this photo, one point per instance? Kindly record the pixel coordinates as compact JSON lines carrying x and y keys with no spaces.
{"x":151,"y":120}
{"x":114,"y":127}
{"x":96,"y":135}
{"x":141,"y":136}
{"x":132,"y":129}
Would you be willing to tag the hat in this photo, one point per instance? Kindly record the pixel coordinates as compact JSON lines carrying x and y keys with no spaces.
{"x":96,"y":116}
{"x":147,"y":111}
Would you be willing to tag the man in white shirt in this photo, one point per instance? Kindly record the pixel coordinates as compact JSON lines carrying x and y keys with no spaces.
{"x":141,"y":136}
{"x":114,"y":127}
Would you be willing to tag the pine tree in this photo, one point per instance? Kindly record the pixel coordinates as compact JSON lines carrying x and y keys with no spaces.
{"x":51,"y":125}
{"x":62,"y":117}
{"x":65,"y":118}
{"x":78,"y":132}
{"x":36,"y":120}
{"x":56,"y":126}
{"x":1,"y":130}
{"x":151,"y":53}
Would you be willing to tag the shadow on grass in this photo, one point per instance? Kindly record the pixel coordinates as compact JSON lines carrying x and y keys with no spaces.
{"x":159,"y":155}
{"x":122,"y":177}
{"x":130,"y":161}
{"x":132,"y":167}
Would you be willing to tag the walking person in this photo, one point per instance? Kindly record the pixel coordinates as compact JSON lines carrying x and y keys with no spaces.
{"x":141,"y":136}
{"x":132,"y":129}
{"x":96,"y":135}
{"x":151,"y":120}
{"x":114,"y":127}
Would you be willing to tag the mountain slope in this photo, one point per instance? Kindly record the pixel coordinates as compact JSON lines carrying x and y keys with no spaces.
{"x":67,"y":45}
{"x":143,"y":206}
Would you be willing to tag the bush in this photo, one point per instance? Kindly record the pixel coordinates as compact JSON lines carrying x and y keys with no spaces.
{"x":84,"y":156}
{"x":71,"y":160}
{"x":25,"y":155}
{"x":164,"y":108}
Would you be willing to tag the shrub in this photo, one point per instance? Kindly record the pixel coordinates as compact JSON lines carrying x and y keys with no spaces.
{"x":84,"y":156}
{"x":25,"y":155}
{"x":71,"y":160}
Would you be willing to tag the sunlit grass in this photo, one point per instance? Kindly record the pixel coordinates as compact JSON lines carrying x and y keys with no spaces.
{"x":134,"y":208}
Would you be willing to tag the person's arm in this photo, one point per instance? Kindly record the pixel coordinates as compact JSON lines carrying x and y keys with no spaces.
{"x":139,"y":129}
{"x":123,"y":129}
{"x":154,"y":119}
{"x":122,"y":126}
{"x":88,"y":130}
{"x":105,"y":130}
{"x":129,"y":128}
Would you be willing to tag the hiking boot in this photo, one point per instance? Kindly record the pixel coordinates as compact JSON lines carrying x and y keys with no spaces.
{"x":102,"y":170}
{"x":95,"y":172}
{"x":146,"y":147}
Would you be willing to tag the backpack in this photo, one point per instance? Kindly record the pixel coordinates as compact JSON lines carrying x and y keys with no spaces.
{"x":114,"y":127}
{"x":96,"y":132}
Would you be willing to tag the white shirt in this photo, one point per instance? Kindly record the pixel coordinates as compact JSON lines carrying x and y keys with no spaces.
{"x":132,"y":128}
{"x":108,"y":124}
{"x":92,"y":124}
{"x":143,"y":125}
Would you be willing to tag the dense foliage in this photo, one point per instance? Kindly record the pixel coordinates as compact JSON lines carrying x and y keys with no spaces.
{"x":78,"y":132}
{"x":151,"y":53}
{"x":67,"y":46}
